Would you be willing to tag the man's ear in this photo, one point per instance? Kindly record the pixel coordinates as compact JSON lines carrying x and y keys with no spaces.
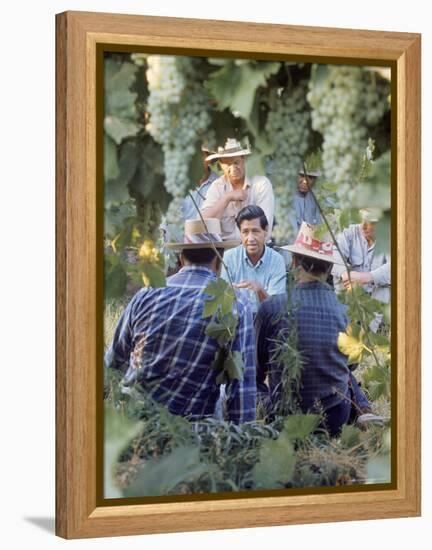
{"x":182,"y":259}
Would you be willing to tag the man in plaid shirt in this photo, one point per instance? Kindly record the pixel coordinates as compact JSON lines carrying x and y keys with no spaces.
{"x":160,"y":342}
{"x":326,"y":383}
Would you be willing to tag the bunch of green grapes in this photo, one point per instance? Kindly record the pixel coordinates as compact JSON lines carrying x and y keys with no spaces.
{"x":344,"y":104}
{"x":179,"y":114}
{"x":288,"y":126}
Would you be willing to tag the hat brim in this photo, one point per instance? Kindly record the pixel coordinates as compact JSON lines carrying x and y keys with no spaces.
{"x":304,"y":252}
{"x":242,"y":153}
{"x":191,"y":246}
{"x":310,"y":173}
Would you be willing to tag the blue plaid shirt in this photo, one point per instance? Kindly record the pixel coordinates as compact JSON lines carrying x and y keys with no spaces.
{"x":160,"y":343}
{"x":319,"y":317}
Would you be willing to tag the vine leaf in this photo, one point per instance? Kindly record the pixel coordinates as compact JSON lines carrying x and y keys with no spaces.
{"x":351,"y":346}
{"x":299,"y":426}
{"x":221,"y":296}
{"x":234,"y":86}
{"x":276,"y":463}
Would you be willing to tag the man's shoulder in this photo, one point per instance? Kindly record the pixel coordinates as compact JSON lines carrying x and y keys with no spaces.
{"x":274,"y":257}
{"x":233,"y":254}
{"x":260,"y":181}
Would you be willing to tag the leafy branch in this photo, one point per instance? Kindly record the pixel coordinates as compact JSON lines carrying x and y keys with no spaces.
{"x":223,"y":325}
{"x":347,"y":267}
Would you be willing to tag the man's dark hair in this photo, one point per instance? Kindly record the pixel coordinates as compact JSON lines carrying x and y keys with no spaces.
{"x":200,"y":256}
{"x":313,"y":265}
{"x":252,"y":212}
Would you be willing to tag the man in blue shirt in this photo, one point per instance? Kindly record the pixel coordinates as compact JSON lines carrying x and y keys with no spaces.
{"x":253,"y":266}
{"x":314,"y":312}
{"x":161,"y":344}
{"x":305,"y":208}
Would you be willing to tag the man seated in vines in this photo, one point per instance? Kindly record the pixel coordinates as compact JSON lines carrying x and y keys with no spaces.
{"x":234,"y":190}
{"x":310,"y":320}
{"x":161,"y":344}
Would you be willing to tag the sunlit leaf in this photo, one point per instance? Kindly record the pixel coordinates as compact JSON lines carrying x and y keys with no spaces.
{"x":350,"y":346}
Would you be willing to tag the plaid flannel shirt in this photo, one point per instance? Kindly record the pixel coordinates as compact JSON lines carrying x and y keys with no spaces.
{"x":319,"y":317}
{"x":160,"y":344}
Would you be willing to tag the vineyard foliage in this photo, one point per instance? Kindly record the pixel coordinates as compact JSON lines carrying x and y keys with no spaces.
{"x":158,"y":112}
{"x":160,"y":109}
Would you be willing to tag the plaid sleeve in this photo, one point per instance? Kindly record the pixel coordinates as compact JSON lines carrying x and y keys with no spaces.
{"x":241,"y":395}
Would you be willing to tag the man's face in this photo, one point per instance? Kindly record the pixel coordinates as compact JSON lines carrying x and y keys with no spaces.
{"x":253,"y":237}
{"x":369,"y":230}
{"x":233,"y":168}
{"x":302,"y":183}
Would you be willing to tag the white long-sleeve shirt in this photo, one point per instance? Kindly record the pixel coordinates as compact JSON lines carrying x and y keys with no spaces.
{"x":259,"y":192}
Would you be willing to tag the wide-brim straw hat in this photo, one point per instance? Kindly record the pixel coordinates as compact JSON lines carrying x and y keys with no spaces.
{"x":310,"y":173}
{"x":197,"y":235}
{"x":232,"y":148}
{"x":307,"y":245}
{"x":371,"y":214}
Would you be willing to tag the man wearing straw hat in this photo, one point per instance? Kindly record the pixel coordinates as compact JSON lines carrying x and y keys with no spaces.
{"x":161,"y":344}
{"x":235,"y":190}
{"x":369,"y":269}
{"x":304,"y":206}
{"x":326,"y":383}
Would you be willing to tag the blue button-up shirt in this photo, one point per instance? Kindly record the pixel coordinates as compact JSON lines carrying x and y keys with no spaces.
{"x":362,"y":257}
{"x":305,"y":209}
{"x":269,"y":271}
{"x":319,"y":317}
{"x":160,"y":343}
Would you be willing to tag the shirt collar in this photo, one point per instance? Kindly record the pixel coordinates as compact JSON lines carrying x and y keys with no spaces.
{"x":249,"y":263}
{"x":199,"y":269}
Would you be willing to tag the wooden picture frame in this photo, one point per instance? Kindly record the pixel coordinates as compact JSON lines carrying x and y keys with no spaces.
{"x":79,"y":35}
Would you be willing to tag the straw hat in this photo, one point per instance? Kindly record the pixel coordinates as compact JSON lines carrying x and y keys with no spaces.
{"x":307,"y":245}
{"x":197,"y":235}
{"x":372,"y":214}
{"x":311,"y":173}
{"x":232,"y":148}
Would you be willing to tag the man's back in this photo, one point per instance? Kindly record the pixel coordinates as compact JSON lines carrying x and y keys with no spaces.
{"x":161,"y":338}
{"x":319,"y":318}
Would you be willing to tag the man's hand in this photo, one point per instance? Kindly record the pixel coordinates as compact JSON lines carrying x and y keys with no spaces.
{"x":237,"y":195}
{"x":255,"y":286}
{"x":357,"y":278}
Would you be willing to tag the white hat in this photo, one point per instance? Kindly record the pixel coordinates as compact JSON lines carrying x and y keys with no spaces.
{"x":198,"y":235}
{"x":233,"y":148}
{"x":307,"y":245}
{"x":371,"y":214}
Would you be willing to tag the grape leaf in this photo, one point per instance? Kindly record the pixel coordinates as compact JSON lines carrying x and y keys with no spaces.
{"x":120,"y":128}
{"x":161,"y":476}
{"x":234,"y":86}
{"x":350,"y":436}
{"x":221,"y":296}
{"x":299,"y":426}
{"x":276,"y":463}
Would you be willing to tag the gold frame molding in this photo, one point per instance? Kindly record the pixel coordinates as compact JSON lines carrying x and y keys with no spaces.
{"x":79,"y":34}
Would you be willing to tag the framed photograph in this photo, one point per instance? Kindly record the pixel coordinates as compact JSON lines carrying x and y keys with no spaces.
{"x":235,"y":347}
